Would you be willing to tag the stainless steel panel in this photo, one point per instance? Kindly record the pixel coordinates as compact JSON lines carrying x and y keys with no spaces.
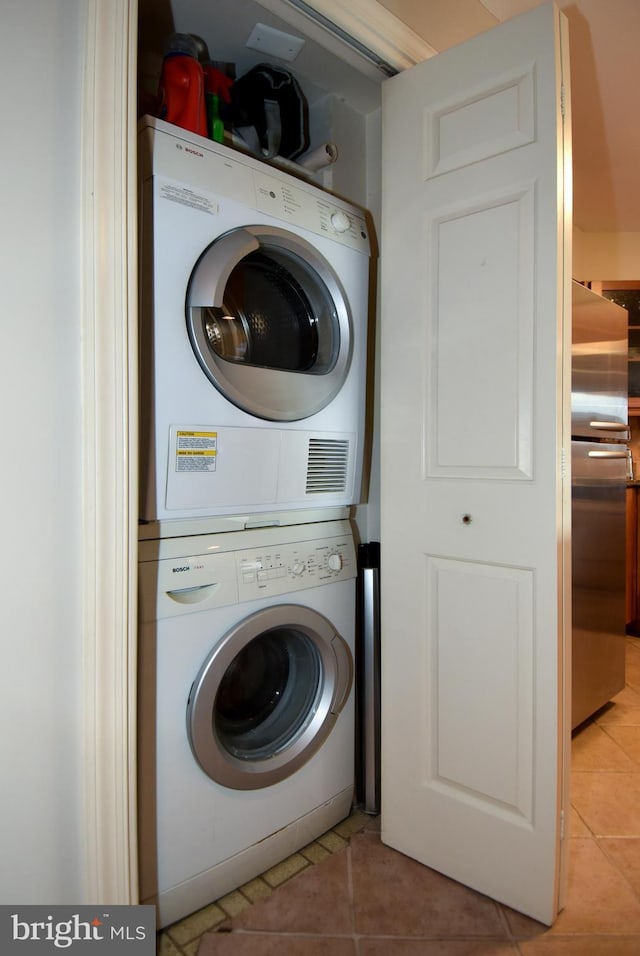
{"x":368,"y":679}
{"x":598,"y":557}
{"x":599,"y":367}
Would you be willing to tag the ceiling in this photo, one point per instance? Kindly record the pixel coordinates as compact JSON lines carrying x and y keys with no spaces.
{"x":604,"y":38}
{"x":604,"y":41}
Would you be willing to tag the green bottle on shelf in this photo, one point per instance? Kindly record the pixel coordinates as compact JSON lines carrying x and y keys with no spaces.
{"x":216,"y":125}
{"x":216,"y":85}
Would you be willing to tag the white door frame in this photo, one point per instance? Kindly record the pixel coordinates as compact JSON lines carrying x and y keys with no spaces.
{"x":109,"y":511}
{"x":367,"y":22}
{"x":109,"y":414}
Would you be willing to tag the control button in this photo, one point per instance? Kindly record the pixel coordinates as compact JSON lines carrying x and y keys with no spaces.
{"x":340,"y":221}
{"x":335,"y":562}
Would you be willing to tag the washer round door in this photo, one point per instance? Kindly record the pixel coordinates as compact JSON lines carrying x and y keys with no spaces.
{"x":267,"y":696}
{"x":269,"y":323}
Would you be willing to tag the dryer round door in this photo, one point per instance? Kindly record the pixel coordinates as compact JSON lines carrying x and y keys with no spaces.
{"x":269,"y":323}
{"x":267,"y":696}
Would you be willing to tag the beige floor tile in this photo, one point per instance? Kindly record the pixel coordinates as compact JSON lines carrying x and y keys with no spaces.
{"x":353,"y":824}
{"x":623,"y":709}
{"x":282,"y":872}
{"x":625,"y":855}
{"x":233,"y":903}
{"x":191,"y":949}
{"x":258,"y":944}
{"x":195,"y":925}
{"x":256,"y":890}
{"x":166,"y":946}
{"x":601,"y":946}
{"x":609,"y":803}
{"x":332,"y":842}
{"x":394,"y":895}
{"x":423,"y":947}
{"x":577,"y":826}
{"x":593,"y":749}
{"x":372,"y":825}
{"x":632,"y":670}
{"x":314,"y":853}
{"x":628,"y":738}
{"x":315,"y":901}
{"x":599,"y":900}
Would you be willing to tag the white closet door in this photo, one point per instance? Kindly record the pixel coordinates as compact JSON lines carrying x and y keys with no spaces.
{"x":475,"y":491}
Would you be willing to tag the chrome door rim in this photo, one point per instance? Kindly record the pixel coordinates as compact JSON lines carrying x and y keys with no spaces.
{"x":336,"y":679}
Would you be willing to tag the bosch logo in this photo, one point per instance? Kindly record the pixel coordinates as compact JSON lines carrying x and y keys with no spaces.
{"x":185,"y":567}
{"x":189,"y":149}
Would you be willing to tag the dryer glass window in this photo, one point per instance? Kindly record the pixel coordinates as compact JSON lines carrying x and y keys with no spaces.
{"x":277,"y":313}
{"x":268,"y":694}
{"x":269,"y":323}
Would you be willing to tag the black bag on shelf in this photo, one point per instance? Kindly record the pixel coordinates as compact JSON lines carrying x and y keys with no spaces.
{"x":269,"y":112}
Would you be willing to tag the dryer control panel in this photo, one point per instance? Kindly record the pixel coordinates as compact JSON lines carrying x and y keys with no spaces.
{"x":319,"y":212}
{"x":200,"y":173}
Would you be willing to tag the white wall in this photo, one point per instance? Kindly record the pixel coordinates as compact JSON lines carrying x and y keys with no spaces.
{"x":442,"y":23}
{"x":41,"y":44}
{"x":606,"y":255}
{"x":368,"y":516}
{"x":357,"y":176}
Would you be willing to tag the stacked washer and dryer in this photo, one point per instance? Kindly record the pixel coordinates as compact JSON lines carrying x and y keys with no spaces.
{"x":254,"y":315}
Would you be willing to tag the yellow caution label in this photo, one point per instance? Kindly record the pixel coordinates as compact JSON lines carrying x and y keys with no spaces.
{"x":196,"y":451}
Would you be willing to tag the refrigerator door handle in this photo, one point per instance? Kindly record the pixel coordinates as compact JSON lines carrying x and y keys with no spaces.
{"x":608,"y":454}
{"x":610,"y":427}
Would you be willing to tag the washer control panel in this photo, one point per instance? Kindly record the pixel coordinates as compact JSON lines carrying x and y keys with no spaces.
{"x":278,"y":569}
{"x":186,"y":575}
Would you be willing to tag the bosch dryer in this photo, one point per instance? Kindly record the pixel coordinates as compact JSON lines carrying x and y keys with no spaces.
{"x":254,"y":314}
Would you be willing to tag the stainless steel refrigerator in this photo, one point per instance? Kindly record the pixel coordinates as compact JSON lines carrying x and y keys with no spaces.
{"x":600,"y":462}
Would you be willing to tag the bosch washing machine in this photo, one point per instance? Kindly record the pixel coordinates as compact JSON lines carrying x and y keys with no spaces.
{"x":246,"y":710}
{"x":254,"y":315}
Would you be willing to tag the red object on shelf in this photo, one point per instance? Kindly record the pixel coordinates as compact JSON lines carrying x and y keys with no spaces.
{"x":182,"y":94}
{"x":217,"y":82}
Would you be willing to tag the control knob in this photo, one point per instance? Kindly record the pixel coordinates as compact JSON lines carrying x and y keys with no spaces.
{"x":297,"y":568}
{"x":340,"y":221}
{"x":335,"y":562}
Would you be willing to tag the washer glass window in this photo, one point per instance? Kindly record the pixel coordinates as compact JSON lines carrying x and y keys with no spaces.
{"x":268,"y":694}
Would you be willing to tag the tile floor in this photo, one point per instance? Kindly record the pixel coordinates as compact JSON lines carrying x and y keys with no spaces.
{"x":360,"y":898}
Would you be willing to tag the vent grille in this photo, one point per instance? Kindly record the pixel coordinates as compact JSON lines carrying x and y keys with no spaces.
{"x":327,"y":466}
